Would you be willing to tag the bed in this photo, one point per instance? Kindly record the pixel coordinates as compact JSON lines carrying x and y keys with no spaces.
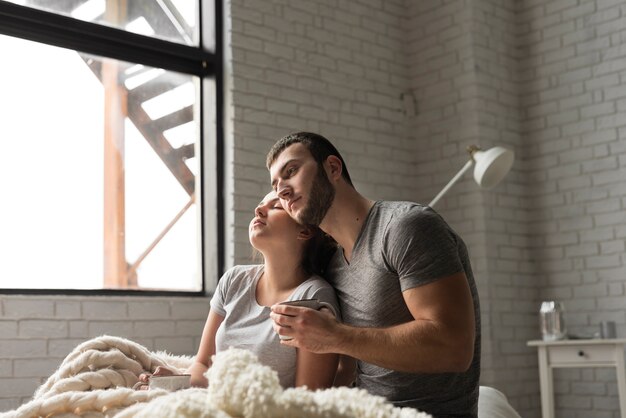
{"x":96,"y":380}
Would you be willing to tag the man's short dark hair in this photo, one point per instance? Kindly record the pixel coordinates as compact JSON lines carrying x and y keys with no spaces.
{"x":319,"y":147}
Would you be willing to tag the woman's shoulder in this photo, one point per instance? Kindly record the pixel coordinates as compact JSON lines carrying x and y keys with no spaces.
{"x":240,"y":273}
{"x":316,"y":287}
{"x":316,"y":281}
{"x":242,"y":269}
{"x":313,"y":286}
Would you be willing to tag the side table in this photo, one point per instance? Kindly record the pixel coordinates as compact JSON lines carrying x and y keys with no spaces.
{"x":579,"y":353}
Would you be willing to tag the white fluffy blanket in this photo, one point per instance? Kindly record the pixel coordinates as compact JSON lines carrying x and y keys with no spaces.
{"x":95,"y":380}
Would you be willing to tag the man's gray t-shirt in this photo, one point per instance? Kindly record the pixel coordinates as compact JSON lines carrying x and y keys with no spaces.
{"x":403,"y":245}
{"x":248,"y":325}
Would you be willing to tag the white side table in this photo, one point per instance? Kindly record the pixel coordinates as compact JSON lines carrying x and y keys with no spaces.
{"x":579,"y":353}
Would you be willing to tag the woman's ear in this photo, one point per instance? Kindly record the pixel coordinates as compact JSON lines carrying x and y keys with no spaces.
{"x":305,"y":233}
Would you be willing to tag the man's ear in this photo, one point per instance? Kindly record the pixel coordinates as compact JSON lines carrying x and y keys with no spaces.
{"x":305,"y":233}
{"x":334,"y":167}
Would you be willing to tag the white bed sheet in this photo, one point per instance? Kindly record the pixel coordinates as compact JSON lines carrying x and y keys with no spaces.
{"x":493,"y":404}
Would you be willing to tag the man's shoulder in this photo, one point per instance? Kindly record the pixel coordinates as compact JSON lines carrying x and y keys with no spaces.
{"x":399,"y":209}
{"x":396,"y":216}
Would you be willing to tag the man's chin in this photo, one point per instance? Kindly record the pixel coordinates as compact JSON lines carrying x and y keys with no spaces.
{"x":297,"y":216}
{"x":304,"y":218}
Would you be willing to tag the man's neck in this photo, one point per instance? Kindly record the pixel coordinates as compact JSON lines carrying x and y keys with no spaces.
{"x":346,"y":217}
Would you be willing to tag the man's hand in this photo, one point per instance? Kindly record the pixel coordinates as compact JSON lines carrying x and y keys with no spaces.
{"x":311,"y":330}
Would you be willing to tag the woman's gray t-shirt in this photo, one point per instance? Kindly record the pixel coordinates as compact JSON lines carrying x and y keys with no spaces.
{"x":403,"y":245}
{"x":248,"y":325}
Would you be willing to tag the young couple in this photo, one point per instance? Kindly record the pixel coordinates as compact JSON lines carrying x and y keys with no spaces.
{"x":410,"y":318}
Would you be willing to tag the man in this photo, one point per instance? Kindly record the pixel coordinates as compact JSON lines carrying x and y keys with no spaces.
{"x":403,"y":278}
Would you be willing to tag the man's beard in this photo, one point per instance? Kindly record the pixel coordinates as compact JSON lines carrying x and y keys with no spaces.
{"x":320,"y":199}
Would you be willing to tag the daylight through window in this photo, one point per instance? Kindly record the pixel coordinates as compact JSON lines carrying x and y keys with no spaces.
{"x":100,"y":167}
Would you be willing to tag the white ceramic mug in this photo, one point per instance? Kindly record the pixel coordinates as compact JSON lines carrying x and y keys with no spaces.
{"x":171,"y":383}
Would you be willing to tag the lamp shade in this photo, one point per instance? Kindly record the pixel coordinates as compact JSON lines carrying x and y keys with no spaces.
{"x":492,"y":165}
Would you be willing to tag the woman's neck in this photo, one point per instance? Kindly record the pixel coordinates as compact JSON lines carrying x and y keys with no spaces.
{"x":281,"y":276}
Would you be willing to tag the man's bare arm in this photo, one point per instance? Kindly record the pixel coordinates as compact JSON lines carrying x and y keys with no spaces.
{"x":440,"y":339}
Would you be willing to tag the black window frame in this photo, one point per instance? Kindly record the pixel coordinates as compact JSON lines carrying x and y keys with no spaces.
{"x":92,"y":38}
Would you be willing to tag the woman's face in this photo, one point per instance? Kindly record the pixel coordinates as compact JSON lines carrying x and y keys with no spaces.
{"x":272,"y":224}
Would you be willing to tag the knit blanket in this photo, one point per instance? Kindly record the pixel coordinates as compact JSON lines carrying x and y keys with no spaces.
{"x":95,"y":380}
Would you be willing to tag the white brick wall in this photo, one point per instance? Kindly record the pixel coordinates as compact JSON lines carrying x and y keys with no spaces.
{"x":544,"y":78}
{"x":470,"y":54}
{"x":571,"y":91}
{"x":336,"y":68}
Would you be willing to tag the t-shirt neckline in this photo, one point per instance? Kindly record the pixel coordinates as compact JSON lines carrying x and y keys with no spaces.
{"x":361,"y":232}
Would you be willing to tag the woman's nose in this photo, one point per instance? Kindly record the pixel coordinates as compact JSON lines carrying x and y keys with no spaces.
{"x":259,"y":211}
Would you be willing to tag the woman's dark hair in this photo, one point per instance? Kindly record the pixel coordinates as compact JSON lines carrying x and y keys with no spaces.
{"x":318,"y":251}
{"x":319,"y":147}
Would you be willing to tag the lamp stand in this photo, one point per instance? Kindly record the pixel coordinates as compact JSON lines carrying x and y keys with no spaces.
{"x":451,"y":183}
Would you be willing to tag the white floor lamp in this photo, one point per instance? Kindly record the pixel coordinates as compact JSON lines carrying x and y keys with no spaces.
{"x":490,"y":168}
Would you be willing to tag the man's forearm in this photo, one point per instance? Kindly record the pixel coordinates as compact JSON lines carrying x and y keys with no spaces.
{"x":419,"y":346}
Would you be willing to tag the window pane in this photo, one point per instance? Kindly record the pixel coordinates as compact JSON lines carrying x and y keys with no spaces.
{"x":97,"y":171}
{"x":171,"y":20}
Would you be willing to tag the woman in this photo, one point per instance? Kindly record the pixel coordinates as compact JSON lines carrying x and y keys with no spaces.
{"x":240,"y":308}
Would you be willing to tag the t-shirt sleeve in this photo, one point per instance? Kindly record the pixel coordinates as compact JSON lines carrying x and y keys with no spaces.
{"x":421,"y":248}
{"x":219,"y":297}
{"x":327,"y":294}
{"x":319,"y":289}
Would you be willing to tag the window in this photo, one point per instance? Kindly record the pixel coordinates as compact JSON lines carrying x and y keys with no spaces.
{"x":101,"y":166}
{"x":170,"y":20}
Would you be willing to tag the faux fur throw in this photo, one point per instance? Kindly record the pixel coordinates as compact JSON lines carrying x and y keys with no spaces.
{"x":95,"y":380}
